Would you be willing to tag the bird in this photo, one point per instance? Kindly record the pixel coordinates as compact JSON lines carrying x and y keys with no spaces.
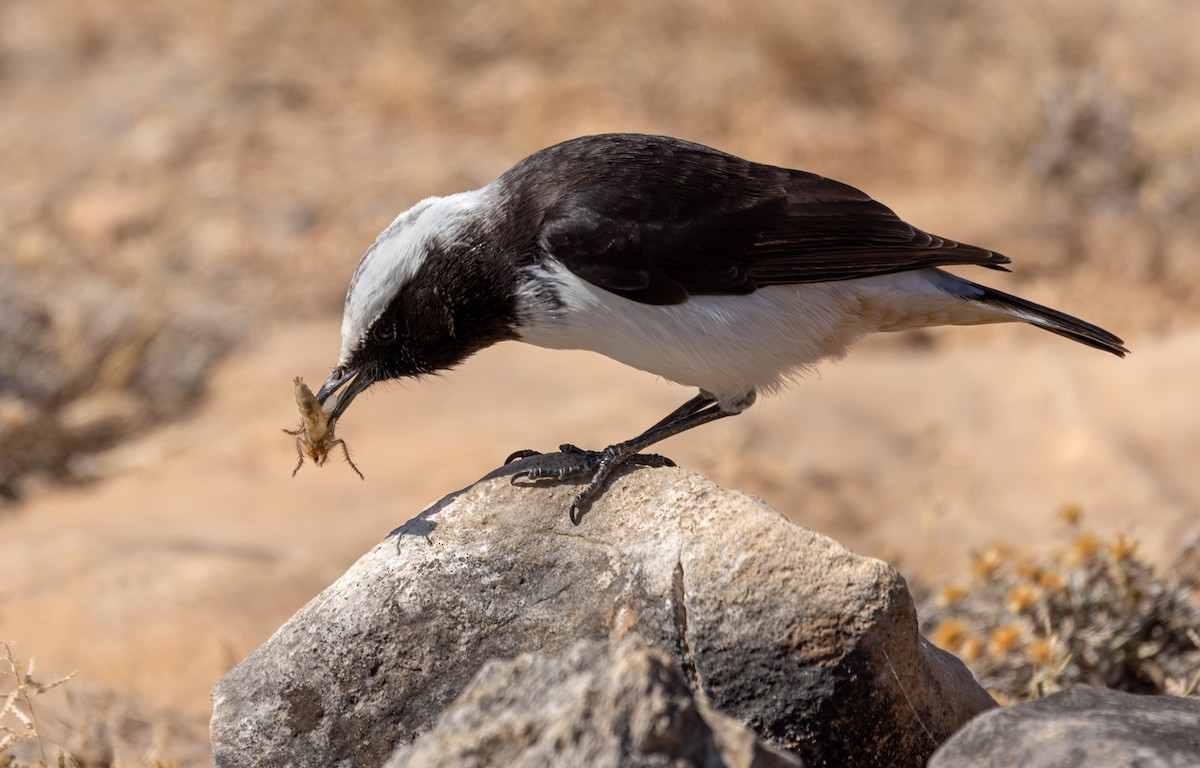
{"x":714,"y":272}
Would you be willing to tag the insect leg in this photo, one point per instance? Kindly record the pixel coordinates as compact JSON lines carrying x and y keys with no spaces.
{"x":299,"y":452}
{"x":346,"y":453}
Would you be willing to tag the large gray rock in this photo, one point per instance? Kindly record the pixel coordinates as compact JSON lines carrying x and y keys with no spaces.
{"x":785,"y":630}
{"x":1079,"y":727}
{"x":614,"y":703}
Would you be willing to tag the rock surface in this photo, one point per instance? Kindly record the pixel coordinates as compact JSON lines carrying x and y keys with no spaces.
{"x":1080,"y":726}
{"x":601,"y":703}
{"x":778,"y":627}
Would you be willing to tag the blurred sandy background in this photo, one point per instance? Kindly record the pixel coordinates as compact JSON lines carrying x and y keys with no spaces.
{"x":185,"y":189}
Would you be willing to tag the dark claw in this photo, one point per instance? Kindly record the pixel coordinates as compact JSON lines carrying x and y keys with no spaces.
{"x":650,"y":460}
{"x":524,"y":474}
{"x":524,"y":454}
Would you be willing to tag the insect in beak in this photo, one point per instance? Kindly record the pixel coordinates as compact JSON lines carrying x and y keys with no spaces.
{"x":315,"y":437}
{"x":355,"y":380}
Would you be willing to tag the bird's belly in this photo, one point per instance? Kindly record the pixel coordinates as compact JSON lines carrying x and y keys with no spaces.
{"x":727,"y":345}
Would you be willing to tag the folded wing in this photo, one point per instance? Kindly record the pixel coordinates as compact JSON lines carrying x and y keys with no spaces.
{"x":709,"y":223}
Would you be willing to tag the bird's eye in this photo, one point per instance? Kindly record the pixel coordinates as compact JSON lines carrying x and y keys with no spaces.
{"x":384,"y":333}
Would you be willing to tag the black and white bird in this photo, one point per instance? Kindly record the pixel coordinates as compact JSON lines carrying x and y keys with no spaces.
{"x":703,"y":268}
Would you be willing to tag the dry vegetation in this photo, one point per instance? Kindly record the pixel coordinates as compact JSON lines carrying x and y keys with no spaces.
{"x":1093,"y":613}
{"x":92,"y":729}
{"x":18,"y":717}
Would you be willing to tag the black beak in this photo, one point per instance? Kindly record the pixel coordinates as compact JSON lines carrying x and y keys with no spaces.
{"x":355,"y":380}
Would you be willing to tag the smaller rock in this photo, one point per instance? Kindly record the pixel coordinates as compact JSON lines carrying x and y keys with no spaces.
{"x":1080,"y":726}
{"x":600,"y":703}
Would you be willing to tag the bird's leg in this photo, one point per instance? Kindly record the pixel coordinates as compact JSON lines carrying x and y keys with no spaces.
{"x":687,"y":409}
{"x":600,"y":465}
{"x":614,"y":456}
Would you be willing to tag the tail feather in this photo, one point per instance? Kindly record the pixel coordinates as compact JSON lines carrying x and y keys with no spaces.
{"x":1049,"y":319}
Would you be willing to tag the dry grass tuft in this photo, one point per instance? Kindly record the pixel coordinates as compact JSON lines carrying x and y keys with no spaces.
{"x":18,"y":718}
{"x":1093,"y":612}
{"x":101,"y":731}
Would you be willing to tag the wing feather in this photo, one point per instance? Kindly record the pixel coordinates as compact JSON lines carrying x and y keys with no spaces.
{"x":658,"y":220}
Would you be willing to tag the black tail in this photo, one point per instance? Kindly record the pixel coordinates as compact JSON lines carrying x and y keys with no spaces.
{"x":1050,"y":319}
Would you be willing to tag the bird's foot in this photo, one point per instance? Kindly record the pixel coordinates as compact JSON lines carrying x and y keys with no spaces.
{"x":597,"y":464}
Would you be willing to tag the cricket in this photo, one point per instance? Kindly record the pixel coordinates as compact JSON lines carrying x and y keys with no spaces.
{"x":315,"y":437}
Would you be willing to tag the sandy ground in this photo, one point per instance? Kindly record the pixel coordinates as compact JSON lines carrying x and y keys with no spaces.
{"x":199,"y":544}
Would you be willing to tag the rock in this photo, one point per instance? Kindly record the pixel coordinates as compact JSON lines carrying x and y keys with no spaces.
{"x":1080,"y":726}
{"x":812,"y":646}
{"x":601,"y":703}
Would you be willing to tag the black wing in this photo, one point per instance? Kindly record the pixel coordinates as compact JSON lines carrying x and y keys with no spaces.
{"x":658,"y":220}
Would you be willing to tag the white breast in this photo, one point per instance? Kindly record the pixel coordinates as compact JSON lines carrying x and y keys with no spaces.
{"x":730,"y":345}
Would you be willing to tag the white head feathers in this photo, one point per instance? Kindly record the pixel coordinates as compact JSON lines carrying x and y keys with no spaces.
{"x":395,"y":258}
